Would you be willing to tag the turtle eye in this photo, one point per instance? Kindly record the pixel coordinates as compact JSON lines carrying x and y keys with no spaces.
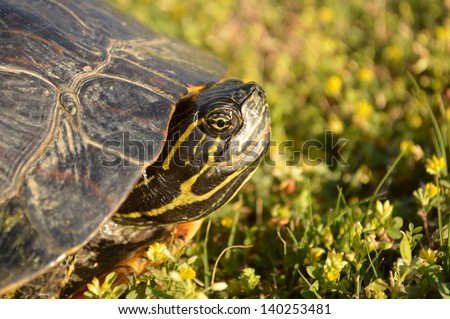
{"x":221,"y":122}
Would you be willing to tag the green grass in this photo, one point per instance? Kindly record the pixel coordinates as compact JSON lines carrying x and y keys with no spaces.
{"x":364,"y":214}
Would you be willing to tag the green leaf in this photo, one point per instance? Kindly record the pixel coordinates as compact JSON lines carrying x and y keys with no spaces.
{"x":89,"y":295}
{"x":378,"y":285}
{"x":110,"y":278}
{"x":393,"y":227}
{"x":118,"y":291}
{"x":315,"y":286}
{"x":308,"y":294}
{"x":313,"y":272}
{"x":434,"y":275}
{"x":444,"y":183}
{"x":397,"y":222}
{"x":191,"y":260}
{"x":394,"y":233}
{"x":405,"y":250}
{"x":444,"y":289}
{"x":312,"y":293}
{"x":132,"y":295}
{"x":418,"y":229}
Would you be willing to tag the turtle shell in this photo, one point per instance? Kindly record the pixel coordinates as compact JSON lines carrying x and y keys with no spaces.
{"x":86,"y":96}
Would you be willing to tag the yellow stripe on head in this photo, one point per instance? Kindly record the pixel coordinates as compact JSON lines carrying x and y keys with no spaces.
{"x":187,"y":197}
{"x":144,"y":182}
{"x":183,"y":137}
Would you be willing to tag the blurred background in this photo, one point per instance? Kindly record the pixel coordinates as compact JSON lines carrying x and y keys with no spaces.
{"x":367,"y":84}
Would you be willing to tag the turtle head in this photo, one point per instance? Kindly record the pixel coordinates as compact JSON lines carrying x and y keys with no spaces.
{"x":217,"y":137}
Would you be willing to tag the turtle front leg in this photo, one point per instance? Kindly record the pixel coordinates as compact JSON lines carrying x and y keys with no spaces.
{"x":137,"y":262}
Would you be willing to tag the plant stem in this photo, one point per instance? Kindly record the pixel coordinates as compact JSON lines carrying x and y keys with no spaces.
{"x":357,"y":286}
{"x":441,"y":231}
{"x":448,"y":250}
{"x":205,"y":255}
{"x":389,"y":171}
{"x":233,"y":231}
{"x":213,"y":276}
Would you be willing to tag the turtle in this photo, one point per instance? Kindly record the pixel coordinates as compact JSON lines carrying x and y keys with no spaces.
{"x":112,"y":137}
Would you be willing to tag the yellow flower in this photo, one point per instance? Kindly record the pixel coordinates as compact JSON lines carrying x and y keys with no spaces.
{"x":280,"y":211}
{"x":409,"y":148}
{"x":435,"y":165}
{"x":158,"y":252}
{"x":393,"y":53}
{"x":379,"y":295}
{"x":442,"y":33}
{"x":363,"y":109}
{"x":334,"y":265}
{"x":103,"y":290}
{"x":415,"y":121}
{"x":431,"y":189}
{"x":365,"y":75}
{"x":313,"y":256}
{"x":383,"y":211}
{"x":406,"y":146}
{"x":187,"y":272}
{"x":94,"y":287}
{"x":428,"y":254}
{"x":333,"y":86}
{"x":226,"y":222}
{"x":363,"y":114}
{"x":326,"y":15}
{"x":331,"y":274}
{"x":335,"y":124}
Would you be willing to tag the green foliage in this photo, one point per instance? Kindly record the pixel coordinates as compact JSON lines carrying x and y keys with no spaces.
{"x":107,"y":290}
{"x":359,"y":95}
{"x":173,"y":278}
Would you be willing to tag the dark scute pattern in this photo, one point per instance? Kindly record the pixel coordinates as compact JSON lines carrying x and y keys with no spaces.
{"x":24,"y":122}
{"x":126,"y":117}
